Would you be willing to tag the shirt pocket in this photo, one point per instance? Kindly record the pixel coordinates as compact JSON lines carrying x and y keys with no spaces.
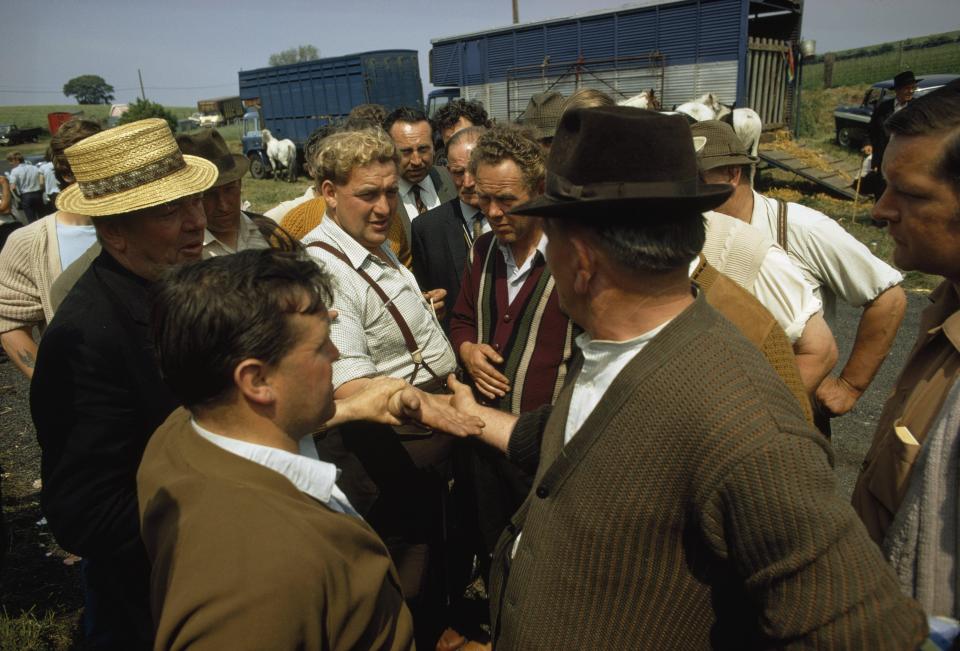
{"x":888,"y":477}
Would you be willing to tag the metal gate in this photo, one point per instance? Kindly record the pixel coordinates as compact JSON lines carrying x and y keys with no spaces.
{"x":620,"y":78}
{"x":768,"y":80}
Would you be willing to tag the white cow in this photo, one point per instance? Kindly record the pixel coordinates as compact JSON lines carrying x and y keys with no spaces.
{"x":282,"y":155}
{"x":746,"y":122}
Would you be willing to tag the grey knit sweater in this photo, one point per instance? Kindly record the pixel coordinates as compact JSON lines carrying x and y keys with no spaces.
{"x":695,"y":509}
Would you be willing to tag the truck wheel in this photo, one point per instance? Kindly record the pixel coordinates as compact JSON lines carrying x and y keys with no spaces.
{"x":257,"y":169}
{"x":844,"y":137}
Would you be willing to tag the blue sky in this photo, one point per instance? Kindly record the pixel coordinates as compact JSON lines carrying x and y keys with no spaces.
{"x":188,"y":50}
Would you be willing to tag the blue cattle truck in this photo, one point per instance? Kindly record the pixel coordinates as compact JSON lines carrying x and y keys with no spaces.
{"x":681,"y":49}
{"x":293,"y":100}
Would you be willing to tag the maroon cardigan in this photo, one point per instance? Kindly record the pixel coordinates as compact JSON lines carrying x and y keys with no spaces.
{"x":534,"y":337}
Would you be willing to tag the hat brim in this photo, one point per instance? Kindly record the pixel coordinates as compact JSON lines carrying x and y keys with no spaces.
{"x":198,"y":175}
{"x":709,"y":197}
{"x":712,"y":162}
{"x":240,"y":167}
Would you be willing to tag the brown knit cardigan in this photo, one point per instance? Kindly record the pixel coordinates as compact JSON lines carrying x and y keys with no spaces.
{"x":694,"y":509}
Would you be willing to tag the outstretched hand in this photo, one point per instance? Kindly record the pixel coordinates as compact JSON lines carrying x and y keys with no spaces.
{"x":434,"y":411}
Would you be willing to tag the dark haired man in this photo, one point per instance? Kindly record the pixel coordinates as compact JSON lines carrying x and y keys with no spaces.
{"x":229,"y":228}
{"x":459,"y":114}
{"x":252,"y":542}
{"x":441,"y":238}
{"x":921,"y":207}
{"x":422,"y":186}
{"x":680,"y":500}
{"x":904,"y":87}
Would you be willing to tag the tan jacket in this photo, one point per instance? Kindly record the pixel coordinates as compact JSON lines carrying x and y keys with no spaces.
{"x":243,"y":560}
{"x":917,"y":398}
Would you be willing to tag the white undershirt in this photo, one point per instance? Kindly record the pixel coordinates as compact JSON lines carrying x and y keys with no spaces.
{"x":316,"y":478}
{"x":602,"y":363}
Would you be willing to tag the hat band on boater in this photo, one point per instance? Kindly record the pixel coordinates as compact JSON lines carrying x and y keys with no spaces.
{"x":558,"y":187}
{"x":130,"y":179}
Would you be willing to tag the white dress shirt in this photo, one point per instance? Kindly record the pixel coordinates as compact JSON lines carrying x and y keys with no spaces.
{"x":428,"y":195}
{"x":830,"y":259}
{"x":516,"y":276}
{"x":369,"y":341}
{"x":316,"y":478}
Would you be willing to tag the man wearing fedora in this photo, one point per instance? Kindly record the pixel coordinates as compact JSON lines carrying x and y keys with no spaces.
{"x":229,"y":230}
{"x":679,"y":498}
{"x":904,"y":86}
{"x":834,"y":262}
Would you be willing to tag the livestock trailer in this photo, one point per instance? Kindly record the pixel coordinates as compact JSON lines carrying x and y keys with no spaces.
{"x":743,"y":51}
{"x":295,"y":99}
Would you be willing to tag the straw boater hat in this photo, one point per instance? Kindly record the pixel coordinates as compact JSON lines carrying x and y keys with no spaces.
{"x":131,"y":167}
{"x":618,"y":161}
{"x":723,"y":146}
{"x":209,"y":144}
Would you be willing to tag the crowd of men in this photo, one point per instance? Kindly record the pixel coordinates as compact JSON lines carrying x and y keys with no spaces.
{"x":551,"y":394}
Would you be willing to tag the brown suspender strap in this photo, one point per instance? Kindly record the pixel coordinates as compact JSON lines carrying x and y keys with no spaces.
{"x":782,"y":224}
{"x":415,"y":353}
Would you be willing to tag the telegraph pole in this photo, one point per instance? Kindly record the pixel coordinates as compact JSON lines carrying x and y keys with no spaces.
{"x":516,"y":12}
{"x":143,"y":95}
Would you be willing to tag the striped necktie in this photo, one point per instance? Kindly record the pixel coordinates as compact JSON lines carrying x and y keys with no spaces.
{"x":477,"y":226}
{"x":421,"y":207}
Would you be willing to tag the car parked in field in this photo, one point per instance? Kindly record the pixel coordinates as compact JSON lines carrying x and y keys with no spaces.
{"x":852,"y":122}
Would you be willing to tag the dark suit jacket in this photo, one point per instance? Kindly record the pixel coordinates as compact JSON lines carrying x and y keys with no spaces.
{"x":440,"y":251}
{"x":442,"y":183}
{"x":243,"y":560}
{"x":879,"y":137}
{"x":96,"y":397}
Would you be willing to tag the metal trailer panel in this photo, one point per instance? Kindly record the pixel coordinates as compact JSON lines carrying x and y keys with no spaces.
{"x":685,"y":32}
{"x":681,"y":83}
{"x":295,"y":99}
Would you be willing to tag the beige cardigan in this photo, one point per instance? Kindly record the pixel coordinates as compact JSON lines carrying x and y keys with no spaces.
{"x":29,"y":263}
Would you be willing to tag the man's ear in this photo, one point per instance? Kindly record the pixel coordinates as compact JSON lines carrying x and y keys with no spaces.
{"x":584,"y":263}
{"x":110,"y":232}
{"x":734,"y":175}
{"x":251,"y":376}
{"x":329,"y":193}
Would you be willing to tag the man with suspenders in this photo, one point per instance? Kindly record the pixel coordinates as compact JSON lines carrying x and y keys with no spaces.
{"x":829,"y":257}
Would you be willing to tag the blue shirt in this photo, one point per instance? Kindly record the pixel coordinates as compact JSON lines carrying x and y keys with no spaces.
{"x":73,"y":241}
{"x":26,"y":178}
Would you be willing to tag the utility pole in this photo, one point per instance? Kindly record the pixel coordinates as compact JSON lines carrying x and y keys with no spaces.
{"x":516,"y":12}
{"x":143,"y":95}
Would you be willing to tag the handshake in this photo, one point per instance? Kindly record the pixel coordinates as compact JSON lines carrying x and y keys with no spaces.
{"x":395,"y":402}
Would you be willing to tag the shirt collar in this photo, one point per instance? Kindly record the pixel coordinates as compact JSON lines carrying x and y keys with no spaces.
{"x":243,"y":235}
{"x":468,"y":211}
{"x":426,"y":185}
{"x":304,"y":470}
{"x":946,"y":302}
{"x":508,"y":252}
{"x":599,"y":350}
{"x":356,"y":252}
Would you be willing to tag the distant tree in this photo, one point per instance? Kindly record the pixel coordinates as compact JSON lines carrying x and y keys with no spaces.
{"x":294,"y":55}
{"x":89,"y":89}
{"x":144,"y":108}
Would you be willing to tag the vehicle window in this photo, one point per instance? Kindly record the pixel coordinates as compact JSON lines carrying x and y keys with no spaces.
{"x":872,"y":98}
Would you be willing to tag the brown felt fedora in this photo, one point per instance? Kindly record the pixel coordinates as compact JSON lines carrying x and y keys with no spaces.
{"x":608,"y":160}
{"x":209,"y":144}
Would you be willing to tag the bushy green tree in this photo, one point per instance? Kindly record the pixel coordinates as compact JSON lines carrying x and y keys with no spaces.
{"x":144,"y":108}
{"x":89,"y":89}
{"x":294,"y":55}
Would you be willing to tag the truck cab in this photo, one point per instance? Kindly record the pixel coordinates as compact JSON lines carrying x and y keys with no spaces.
{"x":439,"y":97}
{"x":253,"y":144}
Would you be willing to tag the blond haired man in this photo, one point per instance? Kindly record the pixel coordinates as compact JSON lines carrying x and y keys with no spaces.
{"x":385,"y":327}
